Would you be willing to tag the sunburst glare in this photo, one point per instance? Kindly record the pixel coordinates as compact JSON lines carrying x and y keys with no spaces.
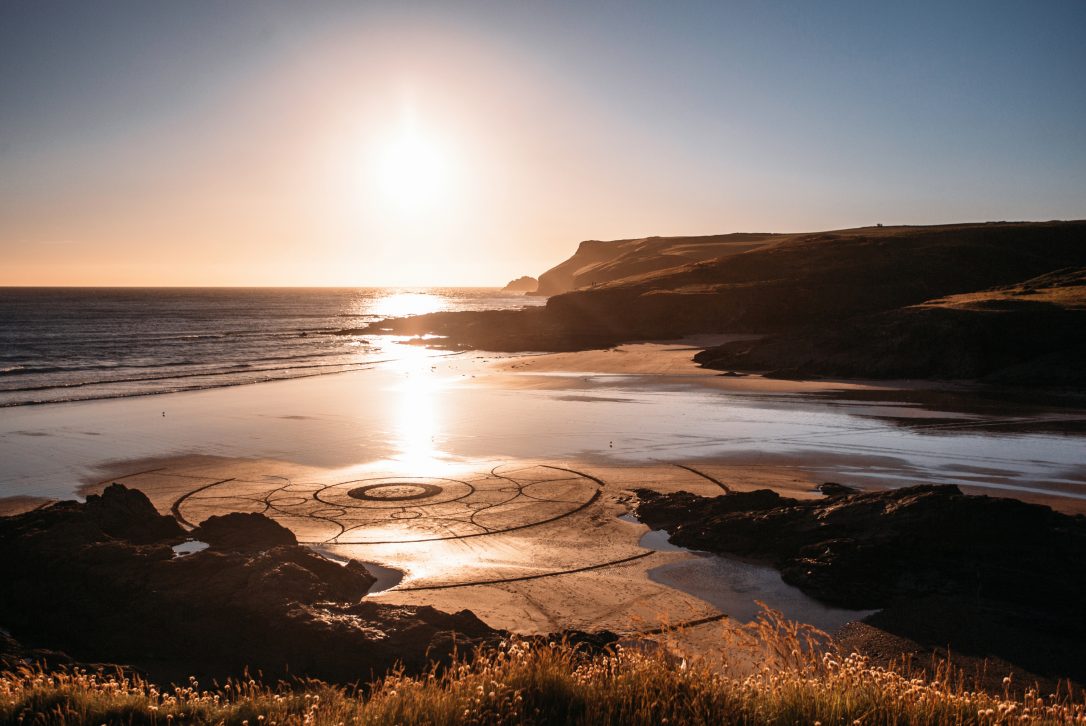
{"x":400,"y":304}
{"x":413,"y":168}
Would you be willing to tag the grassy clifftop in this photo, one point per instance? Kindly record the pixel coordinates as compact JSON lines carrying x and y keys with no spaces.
{"x":599,"y":262}
{"x":823,"y":278}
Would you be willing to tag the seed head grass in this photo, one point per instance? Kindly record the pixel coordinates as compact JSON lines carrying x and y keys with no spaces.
{"x":790,"y":674}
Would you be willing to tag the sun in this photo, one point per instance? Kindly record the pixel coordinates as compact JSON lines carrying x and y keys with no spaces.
{"x":413,"y":168}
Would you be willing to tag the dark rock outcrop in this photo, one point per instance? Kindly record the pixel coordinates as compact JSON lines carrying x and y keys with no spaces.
{"x":100,"y":582}
{"x":868,"y":550}
{"x":127,"y":514}
{"x":893,"y":549}
{"x":243,"y":531}
{"x":524,"y":284}
{"x":833,"y":489}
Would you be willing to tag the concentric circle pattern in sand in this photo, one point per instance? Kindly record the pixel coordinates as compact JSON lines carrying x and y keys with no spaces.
{"x":386,"y":510}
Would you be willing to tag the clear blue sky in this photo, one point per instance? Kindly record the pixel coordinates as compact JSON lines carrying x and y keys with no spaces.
{"x":137,"y":137}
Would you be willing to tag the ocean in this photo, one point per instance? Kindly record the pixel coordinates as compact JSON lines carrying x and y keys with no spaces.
{"x":69,"y":344}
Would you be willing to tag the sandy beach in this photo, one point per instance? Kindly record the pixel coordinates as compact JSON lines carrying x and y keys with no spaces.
{"x":504,"y":484}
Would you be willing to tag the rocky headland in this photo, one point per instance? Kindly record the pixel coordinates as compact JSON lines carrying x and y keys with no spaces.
{"x":524,"y":285}
{"x":599,"y":262}
{"x":997,"y":302}
{"x":985,"y":576}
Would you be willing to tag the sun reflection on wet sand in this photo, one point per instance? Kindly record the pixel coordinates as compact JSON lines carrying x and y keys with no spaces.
{"x":442,"y":560}
{"x":416,"y":417}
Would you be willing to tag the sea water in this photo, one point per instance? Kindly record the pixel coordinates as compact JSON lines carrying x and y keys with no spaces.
{"x":69,"y":344}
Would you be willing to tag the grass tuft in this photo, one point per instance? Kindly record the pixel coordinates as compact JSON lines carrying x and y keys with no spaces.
{"x":799,"y":678}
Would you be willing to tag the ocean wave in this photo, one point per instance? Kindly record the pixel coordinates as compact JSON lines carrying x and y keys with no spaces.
{"x":74,"y":342}
{"x":99,"y":396}
{"x":241,"y":368}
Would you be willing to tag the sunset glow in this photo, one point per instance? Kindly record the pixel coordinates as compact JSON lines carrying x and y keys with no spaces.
{"x":413,"y":170}
{"x":399,"y":304}
{"x":375,"y":144}
{"x":473,"y":362}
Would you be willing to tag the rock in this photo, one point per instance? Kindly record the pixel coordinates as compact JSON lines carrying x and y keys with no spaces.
{"x":891,"y":549}
{"x":523,"y":284}
{"x":867,"y":550}
{"x":128,"y":514}
{"x":78,"y":581}
{"x":833,"y":489}
{"x":238,"y":531}
{"x":676,"y":510}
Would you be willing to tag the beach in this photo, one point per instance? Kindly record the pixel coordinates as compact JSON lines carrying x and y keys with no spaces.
{"x":504,"y":484}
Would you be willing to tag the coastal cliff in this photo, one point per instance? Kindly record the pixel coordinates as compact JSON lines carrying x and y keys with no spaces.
{"x":599,"y":262}
{"x":1029,"y":334}
{"x":822,"y":299}
{"x":524,"y":284}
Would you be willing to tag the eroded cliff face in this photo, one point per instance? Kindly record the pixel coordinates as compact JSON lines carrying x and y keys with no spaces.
{"x":599,"y":262}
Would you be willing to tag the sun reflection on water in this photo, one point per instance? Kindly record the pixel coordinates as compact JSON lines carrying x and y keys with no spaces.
{"x":400,"y":304}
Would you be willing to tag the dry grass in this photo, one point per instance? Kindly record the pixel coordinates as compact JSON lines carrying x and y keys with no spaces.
{"x":799,"y":681}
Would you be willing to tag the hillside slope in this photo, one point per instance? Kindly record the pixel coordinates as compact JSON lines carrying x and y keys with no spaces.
{"x":823,"y":292}
{"x":1032,"y":333}
{"x":599,"y":262}
{"x":823,"y":278}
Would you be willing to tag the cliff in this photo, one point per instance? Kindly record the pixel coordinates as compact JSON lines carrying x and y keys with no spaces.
{"x":525,"y":284}
{"x":598,"y":262}
{"x":867,"y":302}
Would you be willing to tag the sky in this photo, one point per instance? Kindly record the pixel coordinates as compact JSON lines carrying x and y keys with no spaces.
{"x":410,"y":144}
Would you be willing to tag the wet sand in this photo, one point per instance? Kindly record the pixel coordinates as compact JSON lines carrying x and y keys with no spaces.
{"x":497,"y":483}
{"x":529,"y":546}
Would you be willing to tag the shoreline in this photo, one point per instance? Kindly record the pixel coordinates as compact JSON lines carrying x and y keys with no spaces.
{"x":568,"y":558}
{"x":438,"y":410}
{"x":548,"y":450}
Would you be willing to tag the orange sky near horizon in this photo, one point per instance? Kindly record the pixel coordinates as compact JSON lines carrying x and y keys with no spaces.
{"x":300,"y":180}
{"x":402,"y":148}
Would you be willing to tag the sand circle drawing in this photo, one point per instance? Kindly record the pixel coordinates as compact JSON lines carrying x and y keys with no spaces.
{"x":402,"y":509}
{"x":394,"y":492}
